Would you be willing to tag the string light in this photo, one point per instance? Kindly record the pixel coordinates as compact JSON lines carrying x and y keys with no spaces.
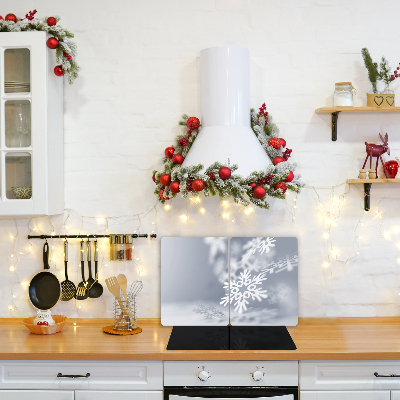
{"x":167,"y":207}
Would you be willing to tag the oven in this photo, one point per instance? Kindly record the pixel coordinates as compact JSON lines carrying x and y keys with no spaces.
{"x":226,"y":380}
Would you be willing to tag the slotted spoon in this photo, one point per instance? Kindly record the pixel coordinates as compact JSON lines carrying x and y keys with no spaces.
{"x":68,"y":289}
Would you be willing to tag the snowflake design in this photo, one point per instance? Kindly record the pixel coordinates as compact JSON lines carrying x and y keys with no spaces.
{"x":217,"y":244}
{"x":244,"y":288}
{"x":208,"y":311}
{"x":263,"y":246}
{"x":288,"y":263}
{"x":280,"y":294}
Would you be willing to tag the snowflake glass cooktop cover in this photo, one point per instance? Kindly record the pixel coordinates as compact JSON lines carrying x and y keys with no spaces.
{"x":196,"y":273}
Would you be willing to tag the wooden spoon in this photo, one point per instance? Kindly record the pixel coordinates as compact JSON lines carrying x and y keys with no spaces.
{"x":123,"y":284}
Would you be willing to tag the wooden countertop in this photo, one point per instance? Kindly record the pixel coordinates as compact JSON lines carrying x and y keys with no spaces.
{"x":315,"y":338}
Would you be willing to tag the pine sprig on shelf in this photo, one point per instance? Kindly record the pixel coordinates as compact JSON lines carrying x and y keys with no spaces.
{"x":236,"y":186}
{"x":372,"y":68}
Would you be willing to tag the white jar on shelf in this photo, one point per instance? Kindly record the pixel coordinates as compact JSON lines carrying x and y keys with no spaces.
{"x":343,"y":95}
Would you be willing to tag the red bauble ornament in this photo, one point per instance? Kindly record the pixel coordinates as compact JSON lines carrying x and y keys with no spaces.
{"x":162,"y":196}
{"x":276,"y":143}
{"x":59,"y":71}
{"x":252,"y":184}
{"x":1,"y":18}
{"x":174,"y":187}
{"x":259,"y":192}
{"x":225,"y":173}
{"x":154,"y":179}
{"x":52,"y":43}
{"x":391,"y":168}
{"x":165,"y":179}
{"x":198,"y":185}
{"x":51,"y":21}
{"x":169,"y":151}
{"x":282,"y":186}
{"x":277,"y":160}
{"x":11,"y":17}
{"x":283,"y":141}
{"x":290,"y":177}
{"x":177,"y":158}
{"x":193,"y":123}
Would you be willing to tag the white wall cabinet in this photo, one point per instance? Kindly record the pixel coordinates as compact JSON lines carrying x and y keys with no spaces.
{"x":31,"y":127}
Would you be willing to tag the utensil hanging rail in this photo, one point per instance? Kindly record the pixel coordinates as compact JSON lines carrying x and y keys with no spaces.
{"x":134,"y":236}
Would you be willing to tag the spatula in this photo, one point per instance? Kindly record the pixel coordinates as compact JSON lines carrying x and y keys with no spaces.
{"x":115,"y":290}
{"x":81,"y":290}
{"x":123,"y":284}
{"x":68,"y":289}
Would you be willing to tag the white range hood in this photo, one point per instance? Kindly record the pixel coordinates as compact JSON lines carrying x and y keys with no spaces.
{"x":226,"y":134}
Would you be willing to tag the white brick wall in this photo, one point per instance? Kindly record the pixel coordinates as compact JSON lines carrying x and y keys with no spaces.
{"x":139,"y":74}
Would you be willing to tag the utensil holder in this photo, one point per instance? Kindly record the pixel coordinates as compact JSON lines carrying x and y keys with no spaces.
{"x":125,"y":314}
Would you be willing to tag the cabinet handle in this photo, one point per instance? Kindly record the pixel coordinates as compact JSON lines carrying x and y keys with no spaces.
{"x":60,"y":375}
{"x":386,"y":376}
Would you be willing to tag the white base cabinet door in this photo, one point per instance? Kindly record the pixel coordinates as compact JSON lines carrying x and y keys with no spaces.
{"x":345,"y":395}
{"x":36,"y":395}
{"x":395,"y":395}
{"x":117,"y":395}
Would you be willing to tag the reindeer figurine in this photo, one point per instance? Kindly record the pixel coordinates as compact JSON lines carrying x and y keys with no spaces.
{"x":376,"y":150}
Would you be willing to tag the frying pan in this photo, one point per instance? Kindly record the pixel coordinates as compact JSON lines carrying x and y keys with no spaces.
{"x":44,"y":289}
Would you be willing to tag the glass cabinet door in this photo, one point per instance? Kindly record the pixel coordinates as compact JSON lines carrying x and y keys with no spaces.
{"x":16,"y":125}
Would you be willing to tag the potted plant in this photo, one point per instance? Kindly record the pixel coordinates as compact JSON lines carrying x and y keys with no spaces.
{"x":386,"y":97}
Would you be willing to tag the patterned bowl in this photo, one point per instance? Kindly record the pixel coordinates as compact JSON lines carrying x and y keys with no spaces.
{"x":46,"y":329}
{"x":22,"y":192}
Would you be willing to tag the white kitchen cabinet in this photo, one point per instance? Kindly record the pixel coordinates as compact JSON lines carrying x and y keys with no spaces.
{"x":31,"y":127}
{"x":104,"y":375}
{"x":117,"y":395}
{"x":345,"y":395}
{"x":36,"y":395}
{"x":349,"y":380}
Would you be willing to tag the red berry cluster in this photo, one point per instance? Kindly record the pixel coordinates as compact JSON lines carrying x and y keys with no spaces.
{"x":67,"y":56}
{"x":396,"y":73}
{"x":263,"y":113}
{"x":31,"y":15}
{"x":286,"y":154}
{"x":265,"y":179}
{"x":189,"y":182}
{"x":211,"y":176}
{"x":183,"y":142}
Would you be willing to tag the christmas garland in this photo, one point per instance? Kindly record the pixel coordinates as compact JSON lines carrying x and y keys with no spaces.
{"x":218,"y":178}
{"x":65,"y":48}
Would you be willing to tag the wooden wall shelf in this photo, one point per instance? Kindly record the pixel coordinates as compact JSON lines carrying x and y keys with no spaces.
{"x":336,"y":110}
{"x":367,"y":187}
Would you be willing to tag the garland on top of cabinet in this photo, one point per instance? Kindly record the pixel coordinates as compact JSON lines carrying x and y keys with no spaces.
{"x":65,"y":48}
{"x":218,"y":178}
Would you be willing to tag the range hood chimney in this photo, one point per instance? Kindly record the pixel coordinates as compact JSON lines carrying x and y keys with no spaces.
{"x":226,"y":135}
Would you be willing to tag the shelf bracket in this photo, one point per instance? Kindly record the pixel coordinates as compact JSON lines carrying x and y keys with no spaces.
{"x":335,"y":116}
{"x":367,"y":197}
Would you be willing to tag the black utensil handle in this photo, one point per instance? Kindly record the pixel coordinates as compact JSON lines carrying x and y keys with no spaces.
{"x":386,"y":376}
{"x":90,"y":269}
{"x":83,"y":270}
{"x":46,"y":256}
{"x":60,"y":375}
{"x":95,"y":270}
{"x":66,"y":259}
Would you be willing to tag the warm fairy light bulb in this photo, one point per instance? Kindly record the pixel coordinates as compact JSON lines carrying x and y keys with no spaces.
{"x":10,"y":308}
{"x":153,"y":223}
{"x":190,"y":199}
{"x":12,"y":255}
{"x":358,"y":252}
{"x":325,"y":235}
{"x":326,"y":264}
{"x":184,"y":217}
{"x":294,"y":206}
{"x":334,"y":199}
{"x":34,"y":229}
{"x":224,"y":203}
{"x":295,"y":199}
{"x":100,"y":219}
{"x":74,"y":323}
{"x":167,"y":207}
{"x":386,"y":235}
{"x":328,"y":221}
{"x":398,"y":260}
{"x":233,"y":220}
{"x":14,"y":296}
{"x":30,"y":247}
{"x":11,"y":268}
{"x":53,"y":233}
{"x":333,"y":252}
{"x":202,"y":210}
{"x":198,"y":200}
{"x":224,"y":215}
{"x":247,"y":212}
{"x":79,"y":306}
{"x":11,"y":237}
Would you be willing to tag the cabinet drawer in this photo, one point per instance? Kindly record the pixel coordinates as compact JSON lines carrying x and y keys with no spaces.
{"x":117,"y":395}
{"x":126,"y":375}
{"x":345,"y":395}
{"x":348,"y":375}
{"x":35,"y":395}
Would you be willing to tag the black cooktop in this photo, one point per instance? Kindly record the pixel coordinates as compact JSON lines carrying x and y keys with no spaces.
{"x":230,"y":338}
